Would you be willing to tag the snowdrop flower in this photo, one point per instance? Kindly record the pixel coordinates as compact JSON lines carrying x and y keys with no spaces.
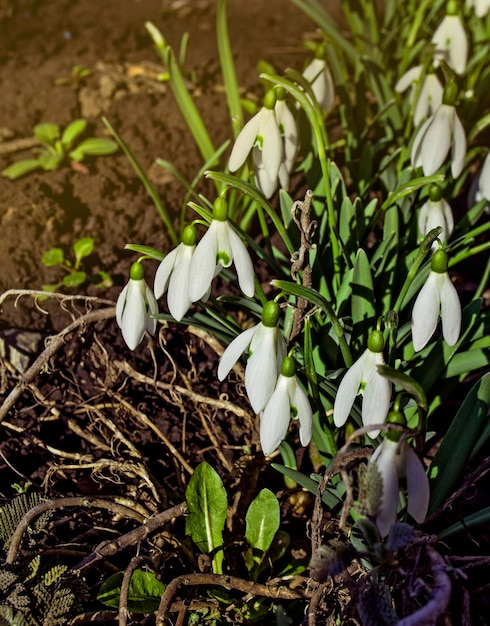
{"x":134,"y":306}
{"x":266,"y":350}
{"x":363,"y":377}
{"x":262,"y":133}
{"x":480,"y":187}
{"x":173,"y":275}
{"x":436,"y":212}
{"x":287,"y":401}
{"x":320,"y":78}
{"x":438,"y":297}
{"x":397,"y":460}
{"x":289,"y":134}
{"x":429,"y":95}
{"x":442,"y":131}
{"x":450,"y":40}
{"x":482,"y":7}
{"x":219,"y":247}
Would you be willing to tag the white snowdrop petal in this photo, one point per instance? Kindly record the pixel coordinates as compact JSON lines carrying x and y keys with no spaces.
{"x":347,"y":391}
{"x":418,"y":490}
{"x":425,"y":313}
{"x":121,"y":304}
{"x":152,"y":304}
{"x":416,"y":154}
{"x":243,"y":264}
{"x":222,"y":234}
{"x":376,"y":401}
{"x":178,"y":300}
{"x":272,"y":150}
{"x":234,"y":351}
{"x":458,"y":149}
{"x":203,"y":264}
{"x":408,"y":79}
{"x":274,"y":421}
{"x":458,"y":49}
{"x":304,"y":414}
{"x":385,"y":459}
{"x":437,"y":140}
{"x":164,"y":271}
{"x":450,"y":311}
{"x":134,"y":317}
{"x":261,"y":370}
{"x":287,"y":123}
{"x":244,"y":142}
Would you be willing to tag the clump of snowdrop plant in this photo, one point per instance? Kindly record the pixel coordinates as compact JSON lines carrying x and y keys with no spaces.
{"x":321,"y":268}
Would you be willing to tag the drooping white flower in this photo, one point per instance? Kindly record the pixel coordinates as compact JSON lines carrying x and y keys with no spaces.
{"x":436,"y":212}
{"x":173,"y":274}
{"x":396,"y":460}
{"x":482,"y":7}
{"x":437,"y":298}
{"x":266,"y":350}
{"x":480,"y":187}
{"x":135,"y":304}
{"x":439,"y":133}
{"x":287,"y":401}
{"x":451,"y":43}
{"x":429,"y":96}
{"x":262,"y":134}
{"x":320,"y":78}
{"x":363,"y":377}
{"x":219,"y":248}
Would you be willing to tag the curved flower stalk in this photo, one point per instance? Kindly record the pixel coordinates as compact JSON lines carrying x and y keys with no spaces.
{"x":437,"y":298}
{"x":396,"y":460}
{"x":429,"y":96}
{"x":441,"y":132}
{"x":288,"y":401}
{"x":436,"y":212}
{"x":173,"y":275}
{"x":482,"y":7}
{"x":363,"y":377}
{"x":262,"y":134}
{"x":135,"y":304}
{"x":451,"y":43}
{"x":219,"y":248}
{"x":318,"y":75}
{"x":266,"y":350}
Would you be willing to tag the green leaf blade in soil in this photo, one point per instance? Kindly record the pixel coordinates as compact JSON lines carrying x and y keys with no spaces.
{"x":145,"y":591}
{"x":262,"y":520}
{"x":53,"y":256}
{"x":21,"y":168}
{"x":82,"y":248}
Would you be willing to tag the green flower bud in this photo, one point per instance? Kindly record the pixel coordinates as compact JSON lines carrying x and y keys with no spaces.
{"x":137,"y":272}
{"x":270,"y":314}
{"x":321,"y":51}
{"x":450,"y":93}
{"x":220,"y":210}
{"x":189,"y":235}
{"x":452,"y":7}
{"x":270,"y":99}
{"x":288,"y":367}
{"x":395,"y":417}
{"x":280,"y":93}
{"x":439,"y":262}
{"x":435,"y":192}
{"x":376,"y":341}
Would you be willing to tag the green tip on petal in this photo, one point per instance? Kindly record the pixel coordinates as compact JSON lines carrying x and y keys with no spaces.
{"x":189,"y":235}
{"x":450,"y":93}
{"x":288,"y":367}
{"x":137,"y":272}
{"x":376,"y":341}
{"x":270,"y":99}
{"x":220,"y":210}
{"x":435,"y":192}
{"x":395,"y":417}
{"x":270,"y":314}
{"x":439,"y":262}
{"x":452,"y":7}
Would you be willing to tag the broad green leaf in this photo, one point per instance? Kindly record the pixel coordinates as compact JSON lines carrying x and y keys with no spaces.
{"x":94,"y":146}
{"x":207,"y":506}
{"x":47,"y":133}
{"x":347,"y":226}
{"x":457,"y":446}
{"x":103,"y":279}
{"x":74,"y":280}
{"x":72,"y":132}
{"x":145,"y":591}
{"x":82,"y":248}
{"x":363,"y":307}
{"x":262,"y":520}
{"x":21,"y":168}
{"x":50,"y":161}
{"x":54,"y":256}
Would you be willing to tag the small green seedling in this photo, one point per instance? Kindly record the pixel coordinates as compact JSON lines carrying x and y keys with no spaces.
{"x":59,"y":148}
{"x":78,"y":74}
{"x":75,"y":275}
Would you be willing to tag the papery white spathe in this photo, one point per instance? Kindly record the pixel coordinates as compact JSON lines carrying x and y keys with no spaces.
{"x":262,"y":133}
{"x":441,"y":132}
{"x":434,"y":214}
{"x":397,"y":460}
{"x":287,"y":401}
{"x":429,"y":96}
{"x":482,"y":7}
{"x":437,"y":298}
{"x":363,"y":377}
{"x":451,"y":43}
{"x":134,"y":306}
{"x":320,"y":78}
{"x":172,"y":275}
{"x":267,"y":350}
{"x":219,"y":247}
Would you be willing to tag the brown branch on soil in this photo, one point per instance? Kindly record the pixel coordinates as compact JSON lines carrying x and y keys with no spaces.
{"x":228,"y":582}
{"x":126,"y":581}
{"x":55,"y":343}
{"x":61,"y":503}
{"x":150,"y":526}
